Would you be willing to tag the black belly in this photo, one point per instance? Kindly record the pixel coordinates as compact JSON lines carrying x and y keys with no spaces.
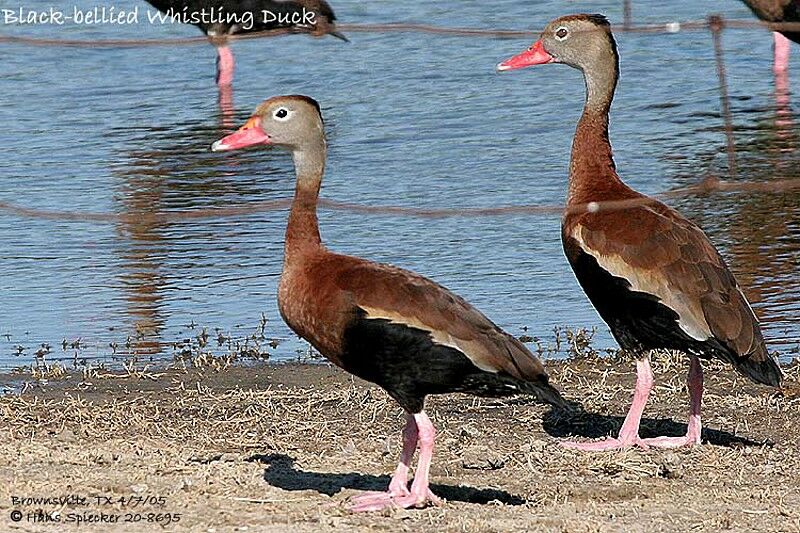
{"x":409,"y":365}
{"x":639,"y":321}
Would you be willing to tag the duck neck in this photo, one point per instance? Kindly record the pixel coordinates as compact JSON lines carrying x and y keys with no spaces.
{"x":592,"y":168}
{"x":302,"y":232}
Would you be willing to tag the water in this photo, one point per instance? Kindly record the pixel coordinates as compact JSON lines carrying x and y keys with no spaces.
{"x":412,"y":120}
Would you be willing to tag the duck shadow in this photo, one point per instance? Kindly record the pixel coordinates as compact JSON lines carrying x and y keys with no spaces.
{"x":281,"y":472}
{"x":577,"y":422}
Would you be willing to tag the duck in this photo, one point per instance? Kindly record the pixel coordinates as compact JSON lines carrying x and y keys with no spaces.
{"x":386,"y":325}
{"x":218,"y":19}
{"x":653,"y":276}
{"x":778,"y":11}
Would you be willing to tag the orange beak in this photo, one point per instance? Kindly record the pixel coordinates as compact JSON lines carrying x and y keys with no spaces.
{"x":535,"y":55}
{"x":250,"y":134}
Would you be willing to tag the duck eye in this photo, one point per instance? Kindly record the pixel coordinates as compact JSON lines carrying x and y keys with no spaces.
{"x":562,"y":33}
{"x":281,"y":113}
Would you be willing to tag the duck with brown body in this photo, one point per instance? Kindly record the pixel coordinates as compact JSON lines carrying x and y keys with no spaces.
{"x":384,"y":324}
{"x":653,"y":276}
{"x":779,"y":11}
{"x":220,"y":18}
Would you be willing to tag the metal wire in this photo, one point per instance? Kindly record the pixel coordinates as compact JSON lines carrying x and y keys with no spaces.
{"x":666,"y":27}
{"x":714,"y":23}
{"x":706,"y":186}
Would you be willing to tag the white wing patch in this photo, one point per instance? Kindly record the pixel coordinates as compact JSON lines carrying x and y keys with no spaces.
{"x":439,"y":337}
{"x":691,"y":318}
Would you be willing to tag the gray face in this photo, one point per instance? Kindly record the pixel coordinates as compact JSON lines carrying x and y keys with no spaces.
{"x":290,"y":122}
{"x":579,"y":43}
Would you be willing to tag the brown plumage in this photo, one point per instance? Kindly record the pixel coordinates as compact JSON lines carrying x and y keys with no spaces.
{"x":384,"y":324}
{"x":654,"y":276}
{"x":331,"y":289}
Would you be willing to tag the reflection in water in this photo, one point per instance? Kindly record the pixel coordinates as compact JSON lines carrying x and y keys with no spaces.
{"x":162,"y":256}
{"x":226,"y":111}
{"x":143,"y":257}
{"x":144,"y":180}
{"x":763,"y":248}
{"x":783,"y":110}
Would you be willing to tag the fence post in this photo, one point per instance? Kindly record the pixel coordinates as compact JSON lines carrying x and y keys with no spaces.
{"x":626,"y":15}
{"x":716,"y":25}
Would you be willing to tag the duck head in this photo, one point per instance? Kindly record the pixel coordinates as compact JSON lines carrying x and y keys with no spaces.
{"x":292,"y":122}
{"x":580,"y":41}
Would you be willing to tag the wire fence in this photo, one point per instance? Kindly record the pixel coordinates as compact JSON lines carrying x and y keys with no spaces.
{"x":400,"y":27}
{"x":706,"y":186}
{"x":715,"y":24}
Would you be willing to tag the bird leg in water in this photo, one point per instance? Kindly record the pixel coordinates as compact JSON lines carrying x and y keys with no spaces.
{"x":418,"y":430}
{"x":225,"y":65}
{"x":782,"y":47}
{"x":226,"y":112}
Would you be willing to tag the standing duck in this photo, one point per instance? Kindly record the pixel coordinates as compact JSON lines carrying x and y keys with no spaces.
{"x":779,"y":11}
{"x":220,"y":18}
{"x":397,"y":329}
{"x":653,"y":276}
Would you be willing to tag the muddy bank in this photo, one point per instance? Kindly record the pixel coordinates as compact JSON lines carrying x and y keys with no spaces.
{"x":269,"y":448}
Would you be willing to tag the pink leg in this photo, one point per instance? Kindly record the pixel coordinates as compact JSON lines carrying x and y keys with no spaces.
{"x":420,"y":493}
{"x":780,"y":67}
{"x":398,"y":486}
{"x":695,"y":385}
{"x":227,"y":118}
{"x":784,"y":122}
{"x":629,"y":434}
{"x":782,"y":47}
{"x":225,"y":65}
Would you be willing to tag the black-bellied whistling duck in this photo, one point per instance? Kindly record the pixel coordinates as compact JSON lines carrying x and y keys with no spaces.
{"x":220,"y":18}
{"x":386,"y":325}
{"x":653,"y":275}
{"x":778,"y":11}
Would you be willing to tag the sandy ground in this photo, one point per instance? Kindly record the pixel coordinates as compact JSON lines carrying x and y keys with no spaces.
{"x":282,"y":448}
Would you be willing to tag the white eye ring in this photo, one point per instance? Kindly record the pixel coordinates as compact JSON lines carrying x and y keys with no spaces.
{"x":564,"y":35}
{"x":282,"y":114}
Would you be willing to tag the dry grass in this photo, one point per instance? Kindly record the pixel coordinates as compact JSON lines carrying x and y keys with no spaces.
{"x":274,"y":447}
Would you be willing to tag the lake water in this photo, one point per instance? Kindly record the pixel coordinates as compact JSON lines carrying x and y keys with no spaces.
{"x":413,"y":119}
